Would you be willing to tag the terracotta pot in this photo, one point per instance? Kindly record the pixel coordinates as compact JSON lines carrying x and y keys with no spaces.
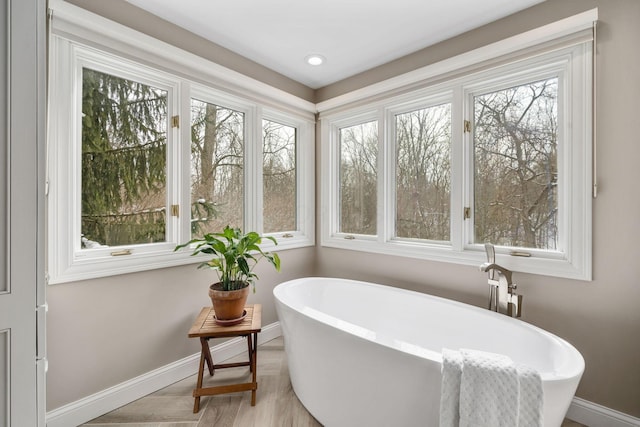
{"x":228,"y":305}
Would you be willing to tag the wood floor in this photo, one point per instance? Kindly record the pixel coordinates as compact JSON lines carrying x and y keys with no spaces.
{"x":276,"y":404}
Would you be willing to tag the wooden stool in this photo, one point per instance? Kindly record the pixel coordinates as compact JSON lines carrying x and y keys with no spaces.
{"x":205,"y":328}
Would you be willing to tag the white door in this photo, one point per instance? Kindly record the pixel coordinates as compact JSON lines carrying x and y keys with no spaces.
{"x":22,"y":102}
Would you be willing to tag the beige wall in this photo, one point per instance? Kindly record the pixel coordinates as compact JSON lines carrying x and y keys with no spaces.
{"x":105,"y":331}
{"x":102,"y":332}
{"x":601,"y":318}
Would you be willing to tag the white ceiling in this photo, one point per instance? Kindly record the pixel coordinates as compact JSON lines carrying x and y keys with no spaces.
{"x":353,"y":35}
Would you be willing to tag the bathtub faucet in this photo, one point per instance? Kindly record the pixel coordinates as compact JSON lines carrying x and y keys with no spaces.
{"x":502,"y":296}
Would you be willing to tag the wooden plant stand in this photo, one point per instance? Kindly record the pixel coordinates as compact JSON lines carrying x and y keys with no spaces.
{"x":206,"y":328}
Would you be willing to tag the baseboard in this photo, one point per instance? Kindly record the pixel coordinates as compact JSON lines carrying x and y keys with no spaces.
{"x":100,"y":403}
{"x":90,"y":407}
{"x":594,"y":415}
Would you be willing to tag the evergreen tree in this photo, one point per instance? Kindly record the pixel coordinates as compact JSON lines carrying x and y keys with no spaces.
{"x":124,"y":134}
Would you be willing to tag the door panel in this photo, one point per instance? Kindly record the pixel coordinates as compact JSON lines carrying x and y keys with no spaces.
{"x":4,"y":282}
{"x":4,"y":377}
{"x":21,"y":206}
{"x":4,"y":83}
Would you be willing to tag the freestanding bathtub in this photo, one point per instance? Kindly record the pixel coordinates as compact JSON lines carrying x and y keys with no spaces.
{"x":362,"y":354}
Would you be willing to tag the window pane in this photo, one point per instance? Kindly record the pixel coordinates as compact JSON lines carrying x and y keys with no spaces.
{"x":279,"y":177}
{"x":423,"y":173}
{"x":358,"y":178}
{"x":516,"y":168}
{"x":124,"y":136}
{"x":217,"y":171}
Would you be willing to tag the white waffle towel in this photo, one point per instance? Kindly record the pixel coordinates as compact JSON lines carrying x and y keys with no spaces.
{"x":531,"y":397}
{"x":450,"y":390}
{"x":485,"y":389}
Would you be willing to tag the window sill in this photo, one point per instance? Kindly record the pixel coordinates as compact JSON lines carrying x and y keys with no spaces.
{"x":87,"y":268}
{"x":552,"y":264}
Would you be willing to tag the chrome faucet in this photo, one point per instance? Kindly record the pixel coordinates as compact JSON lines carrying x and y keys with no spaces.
{"x":502,"y":296}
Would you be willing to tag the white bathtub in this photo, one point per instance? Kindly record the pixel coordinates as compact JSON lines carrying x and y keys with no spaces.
{"x":362,"y":354}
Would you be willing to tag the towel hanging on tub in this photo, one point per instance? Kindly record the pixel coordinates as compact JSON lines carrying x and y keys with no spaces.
{"x":486,"y":389}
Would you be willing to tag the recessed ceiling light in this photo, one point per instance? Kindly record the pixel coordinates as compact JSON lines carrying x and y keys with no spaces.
{"x":314,"y":59}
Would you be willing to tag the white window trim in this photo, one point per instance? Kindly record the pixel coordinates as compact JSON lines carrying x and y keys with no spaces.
{"x":330,"y":185}
{"x":305,"y":181}
{"x":572,"y":66}
{"x":72,"y":43}
{"x":66,"y":260}
{"x":572,"y":57}
{"x":437,"y":95}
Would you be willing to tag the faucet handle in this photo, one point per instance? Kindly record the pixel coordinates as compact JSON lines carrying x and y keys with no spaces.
{"x":491,"y":258}
{"x":514,"y":309}
{"x":491,"y":252}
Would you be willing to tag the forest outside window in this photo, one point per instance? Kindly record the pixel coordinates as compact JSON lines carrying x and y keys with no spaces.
{"x":501,"y":156}
{"x":217,"y":167}
{"x":423,"y":173}
{"x":279,"y":176}
{"x":358,"y":178}
{"x":516,"y":166}
{"x":141,"y":160}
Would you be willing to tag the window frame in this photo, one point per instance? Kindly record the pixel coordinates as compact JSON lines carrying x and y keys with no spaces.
{"x":330,"y":190}
{"x":572,"y":63}
{"x":249,"y":111}
{"x":305,"y":181}
{"x":66,"y":260}
{"x":436,"y":96}
{"x":554,"y":68}
{"x":127,"y":70}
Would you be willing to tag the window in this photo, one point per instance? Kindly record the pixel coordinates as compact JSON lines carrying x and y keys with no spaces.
{"x":217,"y":171}
{"x":141,"y":160}
{"x":279,"y":176}
{"x":500,"y":155}
{"x":358,"y":178}
{"x":516,"y":166}
{"x":423,"y":173}
{"x":123,"y":162}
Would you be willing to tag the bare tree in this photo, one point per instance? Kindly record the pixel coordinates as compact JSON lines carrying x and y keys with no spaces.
{"x":217,"y":171}
{"x":358,"y":178}
{"x":279,"y":177}
{"x":423,"y":139}
{"x":516,"y":166}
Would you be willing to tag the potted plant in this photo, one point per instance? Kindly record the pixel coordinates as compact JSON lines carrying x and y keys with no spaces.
{"x":234,"y":256}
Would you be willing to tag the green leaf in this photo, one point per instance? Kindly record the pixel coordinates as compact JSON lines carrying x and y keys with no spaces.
{"x":233,"y":255}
